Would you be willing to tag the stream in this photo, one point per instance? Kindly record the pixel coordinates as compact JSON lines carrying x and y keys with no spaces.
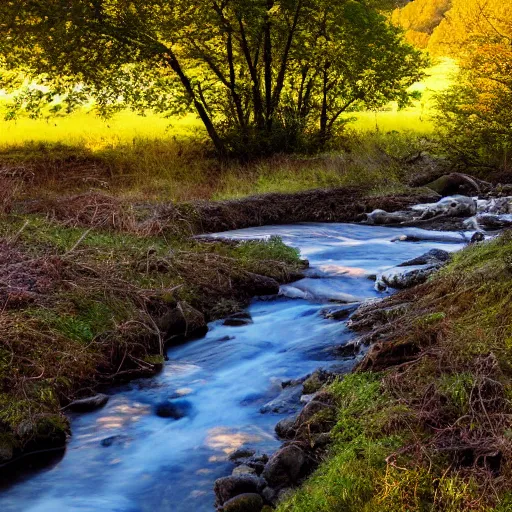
{"x":125,"y":458}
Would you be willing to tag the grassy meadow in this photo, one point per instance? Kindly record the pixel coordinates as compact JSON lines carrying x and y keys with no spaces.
{"x":152,"y":157}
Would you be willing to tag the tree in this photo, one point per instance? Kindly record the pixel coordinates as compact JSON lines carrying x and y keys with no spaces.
{"x":475,"y":113}
{"x":420,"y":19}
{"x":260,"y":74}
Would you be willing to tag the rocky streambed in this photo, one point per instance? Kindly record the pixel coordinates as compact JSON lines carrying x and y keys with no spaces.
{"x":203,"y":433}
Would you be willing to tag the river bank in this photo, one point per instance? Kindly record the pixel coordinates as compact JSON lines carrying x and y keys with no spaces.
{"x":423,"y":422}
{"x":136,"y":454}
{"x":122,"y":252}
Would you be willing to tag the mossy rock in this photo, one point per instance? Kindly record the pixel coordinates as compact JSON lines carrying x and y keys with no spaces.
{"x":244,"y":503}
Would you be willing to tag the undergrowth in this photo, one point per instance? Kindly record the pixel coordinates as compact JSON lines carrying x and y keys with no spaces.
{"x":182,"y":170}
{"x":430,"y":432}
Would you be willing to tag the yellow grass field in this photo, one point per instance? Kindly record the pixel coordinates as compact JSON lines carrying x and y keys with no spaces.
{"x":156,"y":158}
{"x":88,"y":130}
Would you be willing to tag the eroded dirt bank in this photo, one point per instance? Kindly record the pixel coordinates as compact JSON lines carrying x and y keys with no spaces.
{"x":192,"y":218}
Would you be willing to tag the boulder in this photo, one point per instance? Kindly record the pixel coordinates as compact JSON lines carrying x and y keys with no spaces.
{"x":340,"y":313}
{"x":89,"y":404}
{"x":6,"y":451}
{"x":322,"y":440}
{"x":489,"y":221}
{"x":374,"y":312}
{"x":453,"y":184}
{"x":454,"y":206}
{"x":257,"y":463}
{"x":176,"y":409}
{"x":349,"y":349}
{"x":315,"y":381}
{"x":249,"y":502}
{"x":288,"y":401}
{"x":242,"y":453}
{"x":294,"y":382}
{"x":285,"y":428}
{"x":262,"y":285}
{"x":432,"y":257}
{"x":285,"y":467}
{"x":477,"y":238}
{"x":182,"y":323}
{"x":243,"y":469}
{"x":238,"y":319}
{"x":269,"y":495}
{"x":381,"y":217}
{"x":248,"y":462}
{"x":403,"y":279}
{"x":316,"y":415}
{"x":228,"y":487}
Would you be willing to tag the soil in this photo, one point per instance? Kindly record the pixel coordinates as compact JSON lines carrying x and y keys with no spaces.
{"x":192,"y":218}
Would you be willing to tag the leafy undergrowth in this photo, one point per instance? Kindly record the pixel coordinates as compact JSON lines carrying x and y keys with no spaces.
{"x":432,"y":431}
{"x":83,"y":307}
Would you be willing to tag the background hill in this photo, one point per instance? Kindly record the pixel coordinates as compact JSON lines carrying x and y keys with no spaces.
{"x":444,"y":26}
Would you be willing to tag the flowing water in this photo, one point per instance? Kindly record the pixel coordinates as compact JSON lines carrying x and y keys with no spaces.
{"x":124,"y":458}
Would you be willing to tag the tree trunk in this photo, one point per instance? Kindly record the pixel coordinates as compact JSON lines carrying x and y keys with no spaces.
{"x":173,"y":62}
{"x":267,"y":58}
{"x":323,"y":115}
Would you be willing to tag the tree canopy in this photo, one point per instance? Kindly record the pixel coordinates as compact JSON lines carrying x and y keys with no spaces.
{"x":261,"y":74}
{"x":476,"y":111}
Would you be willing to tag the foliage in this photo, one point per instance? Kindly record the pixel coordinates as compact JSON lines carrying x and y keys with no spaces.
{"x":420,"y":19}
{"x":261,"y":75}
{"x":475,"y":113}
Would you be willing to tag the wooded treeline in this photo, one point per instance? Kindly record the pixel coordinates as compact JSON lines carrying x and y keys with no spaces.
{"x":263,"y":75}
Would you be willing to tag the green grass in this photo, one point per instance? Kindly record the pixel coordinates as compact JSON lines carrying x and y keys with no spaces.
{"x":271,"y":249}
{"x":356,"y":477}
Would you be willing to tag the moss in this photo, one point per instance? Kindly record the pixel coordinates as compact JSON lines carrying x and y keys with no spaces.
{"x":431,"y":319}
{"x":154,"y":359}
{"x":271,"y":249}
{"x":312,"y":384}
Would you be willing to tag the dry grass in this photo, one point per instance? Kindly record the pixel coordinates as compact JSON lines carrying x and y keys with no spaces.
{"x":455,"y":373}
{"x":145,"y":170}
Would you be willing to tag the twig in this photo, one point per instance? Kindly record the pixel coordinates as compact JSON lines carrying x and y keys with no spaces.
{"x":15,"y":238}
{"x":78,"y":242}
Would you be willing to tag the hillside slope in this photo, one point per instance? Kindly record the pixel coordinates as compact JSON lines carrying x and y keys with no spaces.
{"x":444,"y":26}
